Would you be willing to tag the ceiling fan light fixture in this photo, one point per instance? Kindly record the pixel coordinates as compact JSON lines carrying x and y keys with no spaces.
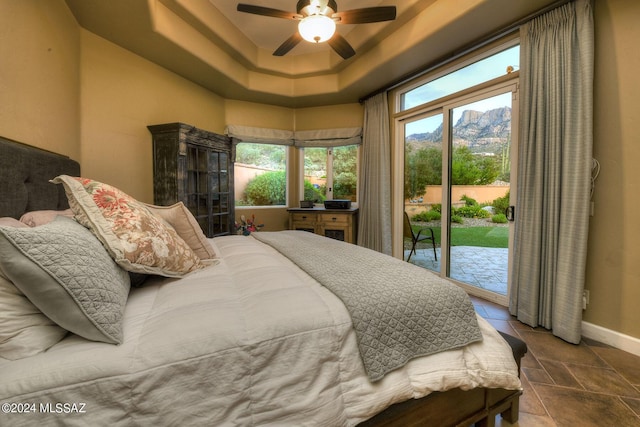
{"x":317,"y":28}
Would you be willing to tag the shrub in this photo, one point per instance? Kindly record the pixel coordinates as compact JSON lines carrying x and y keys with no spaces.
{"x":481,"y":213}
{"x":457,"y":219}
{"x":427,"y":216}
{"x":422,"y":216}
{"x":468,"y":201}
{"x":499,"y":219}
{"x":475,"y":211}
{"x":433,"y":216}
{"x":267,"y":189}
{"x":313,"y":193}
{"x":501,"y":203}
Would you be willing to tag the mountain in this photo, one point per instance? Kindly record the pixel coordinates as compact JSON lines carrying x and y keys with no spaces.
{"x":480,"y":131}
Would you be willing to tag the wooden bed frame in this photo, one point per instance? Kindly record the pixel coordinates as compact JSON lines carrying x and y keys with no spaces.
{"x":25,"y":172}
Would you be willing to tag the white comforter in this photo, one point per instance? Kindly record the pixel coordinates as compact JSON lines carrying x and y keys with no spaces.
{"x":250,"y":341}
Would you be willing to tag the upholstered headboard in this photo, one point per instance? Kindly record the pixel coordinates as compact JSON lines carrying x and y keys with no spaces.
{"x":25,"y":172}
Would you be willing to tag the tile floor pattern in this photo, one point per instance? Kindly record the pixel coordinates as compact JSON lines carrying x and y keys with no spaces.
{"x":566,"y":385}
{"x":485,"y":268}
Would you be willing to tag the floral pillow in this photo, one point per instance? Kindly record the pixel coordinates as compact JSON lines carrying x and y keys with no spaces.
{"x":135,"y":238}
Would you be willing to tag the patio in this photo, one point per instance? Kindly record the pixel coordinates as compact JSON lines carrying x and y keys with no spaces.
{"x":485,"y":268}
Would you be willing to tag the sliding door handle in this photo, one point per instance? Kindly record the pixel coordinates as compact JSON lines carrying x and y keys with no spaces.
{"x":510,"y":213}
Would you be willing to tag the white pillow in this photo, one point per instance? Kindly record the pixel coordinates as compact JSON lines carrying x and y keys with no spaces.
{"x":66,"y":272}
{"x":24,"y":330}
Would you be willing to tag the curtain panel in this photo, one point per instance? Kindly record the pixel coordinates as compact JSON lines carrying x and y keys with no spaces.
{"x":554,"y":169}
{"x":374,"y":187}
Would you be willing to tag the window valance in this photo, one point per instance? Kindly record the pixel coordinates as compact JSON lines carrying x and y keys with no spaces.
{"x":328,"y":137}
{"x":305,"y":138}
{"x":260,"y":135}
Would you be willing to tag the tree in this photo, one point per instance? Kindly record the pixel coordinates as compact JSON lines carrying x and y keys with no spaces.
{"x":345,"y":180}
{"x":421,"y":168}
{"x":505,"y":160}
{"x":424,"y":167}
{"x":470,"y":169}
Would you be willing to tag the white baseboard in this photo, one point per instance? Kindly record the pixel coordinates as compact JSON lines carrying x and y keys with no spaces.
{"x":615,"y":339}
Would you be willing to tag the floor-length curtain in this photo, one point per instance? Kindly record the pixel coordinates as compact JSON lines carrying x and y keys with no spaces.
{"x":555,"y":157}
{"x":374,"y":188}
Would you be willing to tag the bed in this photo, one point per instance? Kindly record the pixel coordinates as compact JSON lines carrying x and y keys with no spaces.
{"x":248,"y":336}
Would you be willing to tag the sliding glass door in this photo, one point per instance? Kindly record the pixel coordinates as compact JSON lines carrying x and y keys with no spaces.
{"x":423,"y":154}
{"x":458,"y":184}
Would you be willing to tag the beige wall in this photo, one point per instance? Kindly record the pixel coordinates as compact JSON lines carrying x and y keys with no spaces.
{"x":332,"y":116}
{"x":100,"y":118}
{"x":121,"y":95}
{"x":39,"y":73}
{"x":613,"y":270}
{"x":480,"y":193}
{"x":258,"y":115}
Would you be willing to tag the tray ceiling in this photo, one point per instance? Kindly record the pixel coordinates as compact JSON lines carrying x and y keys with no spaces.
{"x":229,"y":52}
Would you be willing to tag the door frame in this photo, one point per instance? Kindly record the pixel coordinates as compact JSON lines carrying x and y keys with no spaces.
{"x":444,"y":107}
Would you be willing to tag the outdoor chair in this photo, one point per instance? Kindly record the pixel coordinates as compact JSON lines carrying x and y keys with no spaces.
{"x":420,"y":237}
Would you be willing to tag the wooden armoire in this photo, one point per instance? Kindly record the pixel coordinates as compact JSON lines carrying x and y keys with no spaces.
{"x":195,"y":166}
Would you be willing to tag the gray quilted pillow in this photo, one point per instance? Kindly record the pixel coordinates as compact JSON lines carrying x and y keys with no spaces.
{"x":67,"y":273}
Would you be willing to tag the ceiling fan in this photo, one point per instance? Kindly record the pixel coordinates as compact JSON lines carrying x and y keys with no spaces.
{"x":318,"y":19}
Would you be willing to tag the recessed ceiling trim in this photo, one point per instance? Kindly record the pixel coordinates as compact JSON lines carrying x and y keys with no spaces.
{"x":234,"y":68}
{"x":209,"y":21}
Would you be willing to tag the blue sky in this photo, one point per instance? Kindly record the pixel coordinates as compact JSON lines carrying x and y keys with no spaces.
{"x":471,"y":75}
{"x":430,"y":124}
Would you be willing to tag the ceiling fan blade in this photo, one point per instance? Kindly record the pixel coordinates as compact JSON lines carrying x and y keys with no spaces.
{"x":366,"y":15}
{"x":288,"y":44}
{"x":267,"y":11}
{"x":341,"y":46}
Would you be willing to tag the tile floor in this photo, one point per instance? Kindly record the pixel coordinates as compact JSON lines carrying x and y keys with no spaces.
{"x":590,"y":384}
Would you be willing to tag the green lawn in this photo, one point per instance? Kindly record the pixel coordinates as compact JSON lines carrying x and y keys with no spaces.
{"x":486,"y":237}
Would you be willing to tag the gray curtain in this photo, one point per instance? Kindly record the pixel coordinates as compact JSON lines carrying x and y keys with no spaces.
{"x":374,"y":187}
{"x":554,"y":169}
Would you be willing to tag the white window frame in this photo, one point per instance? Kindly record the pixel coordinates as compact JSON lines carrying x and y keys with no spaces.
{"x":330,"y":158}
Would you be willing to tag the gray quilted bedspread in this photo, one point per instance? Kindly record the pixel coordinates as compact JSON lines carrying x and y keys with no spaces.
{"x":399,"y":311}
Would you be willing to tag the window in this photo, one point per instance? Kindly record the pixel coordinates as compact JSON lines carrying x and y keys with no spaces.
{"x":471,"y":75}
{"x":330,"y":173}
{"x":260,"y":174}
